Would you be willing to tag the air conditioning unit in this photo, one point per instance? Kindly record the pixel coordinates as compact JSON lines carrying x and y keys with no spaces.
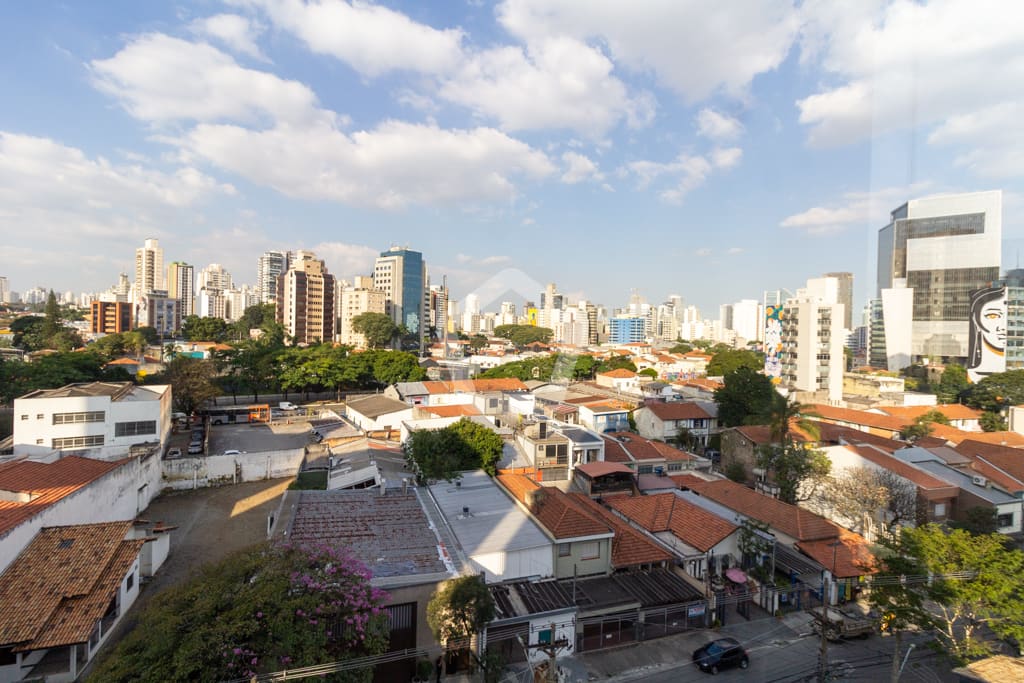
{"x":979,"y":480}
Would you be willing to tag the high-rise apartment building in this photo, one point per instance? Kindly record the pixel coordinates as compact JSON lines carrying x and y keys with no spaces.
{"x":356,"y":299}
{"x":214,"y":276}
{"x":159,"y":310}
{"x":5,"y":291}
{"x":305,"y":300}
{"x":402,"y":275}
{"x":438,"y":311}
{"x":149,"y":268}
{"x":271,"y":265}
{"x":811,"y":356}
{"x":845,"y":295}
{"x":933,"y":253}
{"x":181,"y":286}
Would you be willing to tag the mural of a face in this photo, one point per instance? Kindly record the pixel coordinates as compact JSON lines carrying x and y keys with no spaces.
{"x":992,"y":322}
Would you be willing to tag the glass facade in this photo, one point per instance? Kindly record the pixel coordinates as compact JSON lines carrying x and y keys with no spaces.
{"x":946,"y":294}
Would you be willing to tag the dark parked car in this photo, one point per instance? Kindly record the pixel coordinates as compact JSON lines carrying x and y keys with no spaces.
{"x":721,"y":654}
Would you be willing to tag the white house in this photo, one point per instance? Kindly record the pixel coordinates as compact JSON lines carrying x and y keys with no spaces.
{"x":621,"y":379}
{"x":377,"y":412}
{"x":71,"y":490}
{"x":103,"y":420}
{"x":662,"y":421}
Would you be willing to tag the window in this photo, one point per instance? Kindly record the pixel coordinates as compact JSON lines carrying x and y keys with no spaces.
{"x":645,"y":469}
{"x":564,"y":549}
{"x":72,"y":418}
{"x":590,"y":550}
{"x":135,"y":428}
{"x":40,"y":416}
{"x":7,"y":656}
{"x":78,"y":442}
{"x":130,"y":581}
{"x":1004,"y":520}
{"x":940,"y":510}
{"x":39,"y":442}
{"x":24,"y":417}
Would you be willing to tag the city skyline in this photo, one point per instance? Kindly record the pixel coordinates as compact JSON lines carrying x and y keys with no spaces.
{"x":344,"y":129}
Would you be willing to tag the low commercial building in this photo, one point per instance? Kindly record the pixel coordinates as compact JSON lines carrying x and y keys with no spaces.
{"x":105,"y":420}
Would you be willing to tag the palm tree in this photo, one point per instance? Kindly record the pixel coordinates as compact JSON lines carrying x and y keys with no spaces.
{"x":783,"y":413}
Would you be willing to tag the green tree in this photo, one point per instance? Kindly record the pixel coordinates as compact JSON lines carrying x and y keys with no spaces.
{"x":584,"y":368}
{"x":978,"y":520}
{"x":992,"y":422}
{"x":458,"y":610}
{"x":51,"y":317}
{"x":191,"y":381}
{"x":681,"y":347}
{"x":149,"y":334}
{"x":783,"y":412}
{"x":521,"y":335}
{"x":477,"y":342}
{"x":378,"y":328}
{"x":922,"y":426}
{"x":264,"y":609}
{"x":390,"y":367}
{"x":540,"y":368}
{"x":649,"y":372}
{"x":997,"y":391}
{"x":952,"y":384}
{"x":753,"y":542}
{"x":444,"y":453}
{"x":27,"y":333}
{"x":194,"y":328}
{"x":616,"y":363}
{"x":745,"y":398}
{"x":798,"y":470}
{"x":975,"y":587}
{"x":728,"y":360}
{"x":17,"y":377}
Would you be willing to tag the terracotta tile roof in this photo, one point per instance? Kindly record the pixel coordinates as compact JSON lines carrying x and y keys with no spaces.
{"x":677,"y":410}
{"x":46,"y":484}
{"x":629,"y":547}
{"x":858,"y":417}
{"x":452,"y":411}
{"x":954,"y":411}
{"x":478,"y":385}
{"x":995,"y":438}
{"x":853,"y":557}
{"x":692,"y":524}
{"x":434,"y":387}
{"x":997,"y":475}
{"x":919,"y":477}
{"x":124,"y":361}
{"x":614,"y":452}
{"x":619,"y":373}
{"x":792,"y":520}
{"x":553,"y":509}
{"x":762,"y":434}
{"x":599,"y":469}
{"x":605,"y":405}
{"x":704,"y":383}
{"x":1007,"y":459}
{"x":832,"y":433}
{"x":636,"y":448}
{"x":62,"y":583}
{"x":697,"y":355}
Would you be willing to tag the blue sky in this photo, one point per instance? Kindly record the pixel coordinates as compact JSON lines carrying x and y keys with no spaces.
{"x":711,"y":150}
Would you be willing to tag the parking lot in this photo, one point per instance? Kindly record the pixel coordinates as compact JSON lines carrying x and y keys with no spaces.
{"x":256,"y":437}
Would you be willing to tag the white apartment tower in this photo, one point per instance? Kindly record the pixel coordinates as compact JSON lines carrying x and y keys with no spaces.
{"x":812,"y":341}
{"x":181,"y":286}
{"x":933,"y":253}
{"x":149,"y":268}
{"x":356,"y":299}
{"x":214,"y":276}
{"x":271,"y":265}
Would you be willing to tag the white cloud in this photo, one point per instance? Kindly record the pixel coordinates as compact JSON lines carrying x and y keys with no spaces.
{"x":695,"y":48}
{"x":854,"y":209}
{"x":345,"y":261}
{"x":732,"y":251}
{"x":371,"y":39}
{"x":158,"y":78}
{"x":60,"y":206}
{"x":238,"y":33}
{"x":557,"y":82}
{"x":579,"y":168}
{"x":41,"y":172}
{"x":900,"y":65}
{"x":703,"y":251}
{"x":687,"y":171}
{"x":717,"y":126}
{"x":391,"y":166}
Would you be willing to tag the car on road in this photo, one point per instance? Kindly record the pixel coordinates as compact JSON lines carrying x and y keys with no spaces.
{"x":723,"y":653}
{"x":173,"y":453}
{"x":287,"y":405}
{"x":195,"y":447}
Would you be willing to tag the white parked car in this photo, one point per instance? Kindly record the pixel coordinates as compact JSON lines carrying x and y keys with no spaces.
{"x":287,"y":405}
{"x":232,"y":451}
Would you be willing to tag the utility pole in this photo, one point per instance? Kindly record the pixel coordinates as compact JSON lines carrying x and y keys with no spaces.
{"x":551,"y":649}
{"x":823,"y":652}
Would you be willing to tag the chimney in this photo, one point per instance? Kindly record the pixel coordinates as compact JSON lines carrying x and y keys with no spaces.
{"x":543,"y":430}
{"x":383,"y":485}
{"x":405,"y":485}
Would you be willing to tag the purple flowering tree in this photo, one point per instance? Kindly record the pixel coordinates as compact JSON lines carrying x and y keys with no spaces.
{"x":273,"y":607}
